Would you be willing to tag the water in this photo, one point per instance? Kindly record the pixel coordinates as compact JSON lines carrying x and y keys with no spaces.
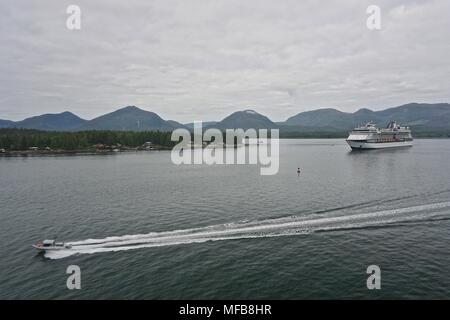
{"x":142,"y":227}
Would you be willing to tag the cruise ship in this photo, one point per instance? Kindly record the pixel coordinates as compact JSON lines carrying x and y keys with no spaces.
{"x":371,"y":137}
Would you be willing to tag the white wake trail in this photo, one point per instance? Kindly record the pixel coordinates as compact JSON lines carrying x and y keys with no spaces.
{"x":255,"y":229}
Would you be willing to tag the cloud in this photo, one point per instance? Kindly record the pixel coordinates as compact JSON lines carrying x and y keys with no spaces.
{"x":202,"y":59}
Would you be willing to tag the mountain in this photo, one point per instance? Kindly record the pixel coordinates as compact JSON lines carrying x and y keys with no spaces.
{"x":419,"y":116}
{"x":7,"y":124}
{"x":432,"y":116}
{"x":130,"y":118}
{"x":245,"y":119}
{"x":330,"y":118}
{"x":175,"y":124}
{"x":65,"y":121}
{"x":205,"y":124}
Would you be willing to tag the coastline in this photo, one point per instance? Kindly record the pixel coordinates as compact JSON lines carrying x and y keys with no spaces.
{"x":38,"y":153}
{"x":92,"y":152}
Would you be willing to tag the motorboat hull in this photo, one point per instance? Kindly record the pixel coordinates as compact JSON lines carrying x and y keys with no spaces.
{"x":52,"y":248}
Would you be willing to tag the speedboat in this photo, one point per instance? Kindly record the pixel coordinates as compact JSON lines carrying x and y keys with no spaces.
{"x":51,"y":245}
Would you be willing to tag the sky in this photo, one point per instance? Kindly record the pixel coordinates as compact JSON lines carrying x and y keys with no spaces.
{"x":203,"y":59}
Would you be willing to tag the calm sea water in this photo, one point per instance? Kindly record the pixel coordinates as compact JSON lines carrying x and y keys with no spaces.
{"x":226,"y":232}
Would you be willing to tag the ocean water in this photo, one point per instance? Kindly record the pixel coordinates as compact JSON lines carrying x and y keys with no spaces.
{"x":144,"y":228}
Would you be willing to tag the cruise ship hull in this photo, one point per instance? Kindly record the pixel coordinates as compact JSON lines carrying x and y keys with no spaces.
{"x":359,"y":145}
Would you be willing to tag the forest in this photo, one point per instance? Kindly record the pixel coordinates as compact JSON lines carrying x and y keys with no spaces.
{"x":23,"y":139}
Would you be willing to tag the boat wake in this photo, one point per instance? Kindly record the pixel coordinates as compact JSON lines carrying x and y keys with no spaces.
{"x":255,"y":229}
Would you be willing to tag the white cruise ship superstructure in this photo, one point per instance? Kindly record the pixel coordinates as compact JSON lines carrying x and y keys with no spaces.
{"x":371,"y":137}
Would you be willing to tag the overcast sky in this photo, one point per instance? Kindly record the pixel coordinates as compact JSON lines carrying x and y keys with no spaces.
{"x":202,"y":59}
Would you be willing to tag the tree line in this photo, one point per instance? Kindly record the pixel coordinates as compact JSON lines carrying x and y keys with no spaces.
{"x":23,"y":139}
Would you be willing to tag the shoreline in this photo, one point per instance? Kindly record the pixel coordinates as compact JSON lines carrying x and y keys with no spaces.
{"x":90,"y":152}
{"x":37,"y":153}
